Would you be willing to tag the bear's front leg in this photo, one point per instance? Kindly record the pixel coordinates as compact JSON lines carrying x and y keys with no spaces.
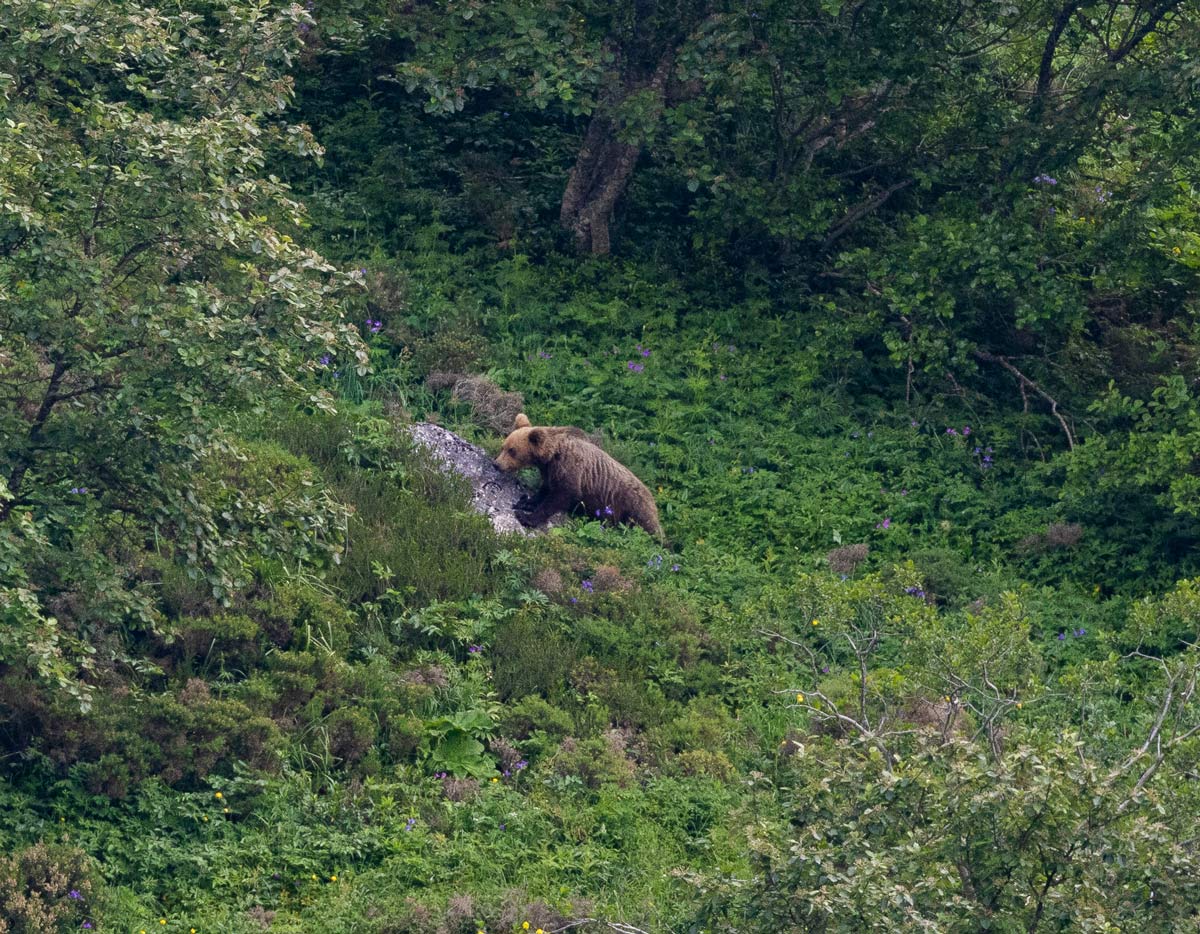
{"x":551,"y":504}
{"x":530,"y":501}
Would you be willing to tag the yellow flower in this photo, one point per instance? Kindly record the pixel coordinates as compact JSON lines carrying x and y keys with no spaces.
{"x":1019,"y":705}
{"x":816,"y":622}
{"x":524,"y":925}
{"x":799,"y":698}
{"x":218,"y":795}
{"x":1176,"y":251}
{"x":205,"y":818}
{"x":495,"y":779}
{"x":314,"y":877}
{"x":162,"y":920}
{"x":226,"y":810}
{"x":333,"y":878}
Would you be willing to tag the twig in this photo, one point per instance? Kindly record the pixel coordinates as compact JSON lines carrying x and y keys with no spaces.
{"x":1025,"y":382}
{"x":619,"y":926}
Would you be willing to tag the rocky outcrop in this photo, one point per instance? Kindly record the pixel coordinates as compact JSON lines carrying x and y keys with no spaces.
{"x":493,"y":492}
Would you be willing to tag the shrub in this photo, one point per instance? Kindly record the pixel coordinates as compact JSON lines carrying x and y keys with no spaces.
{"x":533,"y":717}
{"x":531,"y":656}
{"x":595,"y":762}
{"x":491,"y":407}
{"x":845,"y":559}
{"x":45,"y":889}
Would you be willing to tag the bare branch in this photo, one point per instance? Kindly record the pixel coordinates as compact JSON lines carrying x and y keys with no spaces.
{"x":1025,"y":382}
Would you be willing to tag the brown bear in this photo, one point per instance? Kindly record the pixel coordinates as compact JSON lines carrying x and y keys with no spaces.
{"x":575,"y":472}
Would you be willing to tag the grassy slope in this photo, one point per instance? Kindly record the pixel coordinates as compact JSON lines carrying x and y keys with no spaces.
{"x":647,"y":708}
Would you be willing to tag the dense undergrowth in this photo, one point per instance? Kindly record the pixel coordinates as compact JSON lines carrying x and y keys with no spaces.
{"x":919,"y":651}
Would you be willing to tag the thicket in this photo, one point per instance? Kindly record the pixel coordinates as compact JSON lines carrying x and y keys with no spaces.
{"x":891,"y":305}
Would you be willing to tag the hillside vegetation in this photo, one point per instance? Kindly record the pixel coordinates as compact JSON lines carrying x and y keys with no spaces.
{"x":892,"y":305}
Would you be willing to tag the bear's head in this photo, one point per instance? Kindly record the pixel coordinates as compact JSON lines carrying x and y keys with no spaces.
{"x":523,"y":447}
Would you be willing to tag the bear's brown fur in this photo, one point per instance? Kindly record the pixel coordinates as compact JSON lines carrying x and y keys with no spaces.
{"x":576,"y":472}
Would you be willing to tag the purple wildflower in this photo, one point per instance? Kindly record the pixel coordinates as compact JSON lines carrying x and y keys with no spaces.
{"x":952,"y":431}
{"x":374,"y":325}
{"x":966,"y":431}
{"x":74,"y":893}
{"x":885,"y":524}
{"x":914,"y":423}
{"x":588,"y":586}
{"x":1044,"y":180}
{"x":824,"y":669}
{"x":544,"y":355}
{"x":608,"y":510}
{"x":635,"y":367}
{"x":574,"y":600}
{"x":674,"y":567}
{"x":1080,"y":632}
{"x":475,"y":649}
{"x":1061,"y":637}
{"x":724,"y":377}
{"x":410,"y":824}
{"x":79,"y":489}
{"x":87,"y":925}
{"x":521,"y":765}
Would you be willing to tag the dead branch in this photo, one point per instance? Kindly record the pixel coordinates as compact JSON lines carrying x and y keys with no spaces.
{"x":1025,"y":382}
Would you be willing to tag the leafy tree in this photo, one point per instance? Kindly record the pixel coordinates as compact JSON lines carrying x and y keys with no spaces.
{"x":149,"y":290}
{"x":906,"y":819}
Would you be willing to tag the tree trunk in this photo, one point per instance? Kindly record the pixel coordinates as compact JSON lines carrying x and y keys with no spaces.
{"x":605,"y":163}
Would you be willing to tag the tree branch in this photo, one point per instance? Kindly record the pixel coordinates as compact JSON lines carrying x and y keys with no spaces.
{"x":1026,"y":383}
{"x":856,"y":214}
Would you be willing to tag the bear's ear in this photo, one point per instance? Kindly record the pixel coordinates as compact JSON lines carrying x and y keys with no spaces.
{"x":522,"y":421}
{"x":535,"y":437}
